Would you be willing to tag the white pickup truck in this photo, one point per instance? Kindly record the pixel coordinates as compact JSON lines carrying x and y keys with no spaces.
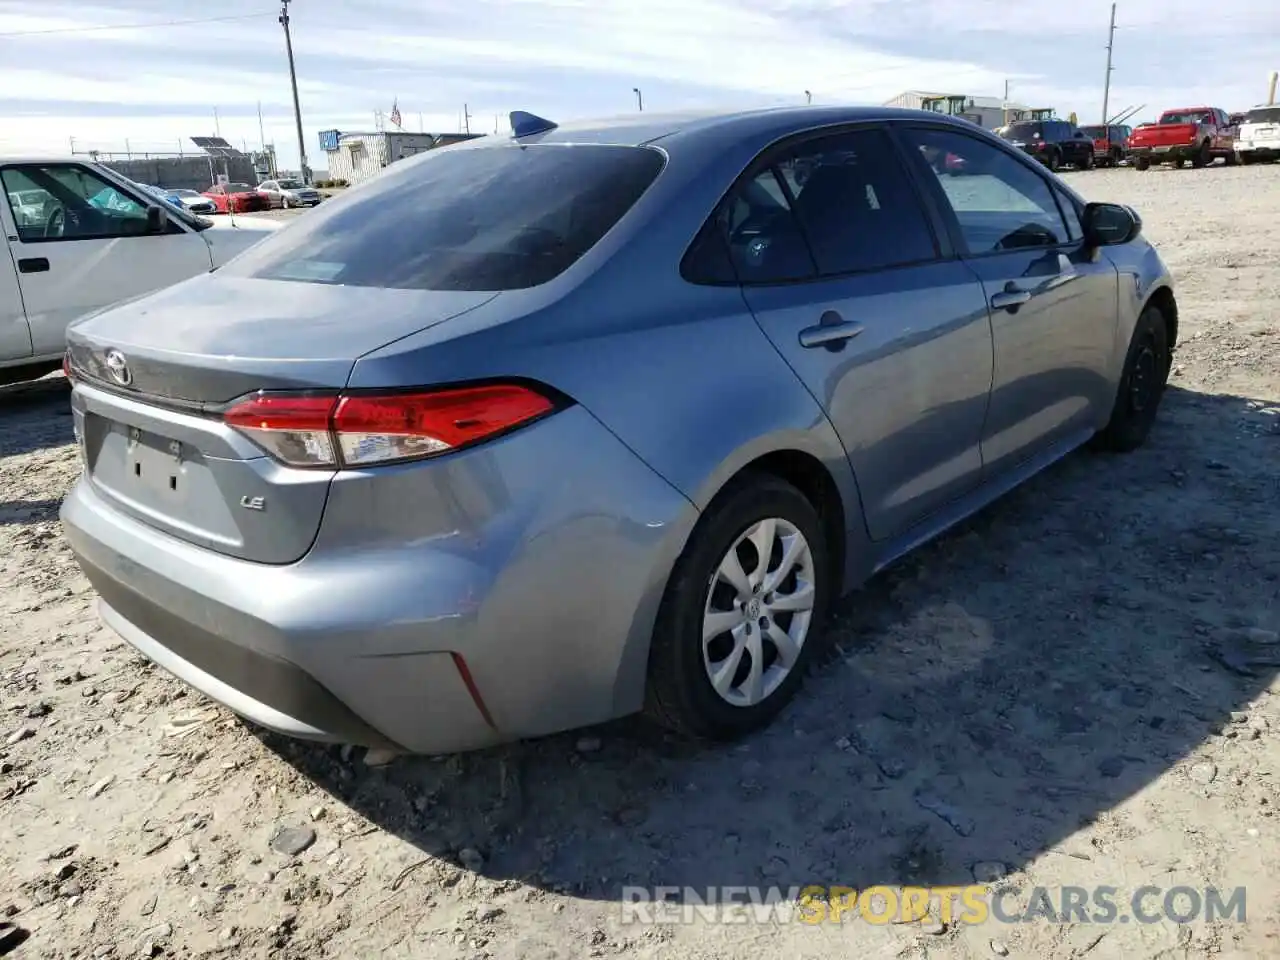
{"x":78,"y":236}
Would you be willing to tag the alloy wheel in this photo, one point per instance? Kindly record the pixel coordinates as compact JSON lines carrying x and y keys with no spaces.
{"x":758,"y":612}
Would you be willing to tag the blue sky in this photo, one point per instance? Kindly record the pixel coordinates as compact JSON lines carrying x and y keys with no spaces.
{"x":63,"y":77}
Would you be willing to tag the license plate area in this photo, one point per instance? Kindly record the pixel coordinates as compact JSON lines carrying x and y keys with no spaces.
{"x":157,"y":474}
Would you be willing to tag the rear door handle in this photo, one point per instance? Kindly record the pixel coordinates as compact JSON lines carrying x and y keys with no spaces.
{"x":1008,"y":299}
{"x":831,"y":331}
{"x":33,"y":265}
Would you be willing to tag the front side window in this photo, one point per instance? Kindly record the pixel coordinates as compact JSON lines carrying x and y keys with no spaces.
{"x":999,"y":202}
{"x":492,"y":218}
{"x":65,"y":202}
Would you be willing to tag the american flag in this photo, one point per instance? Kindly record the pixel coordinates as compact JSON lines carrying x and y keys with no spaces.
{"x":395,"y":112}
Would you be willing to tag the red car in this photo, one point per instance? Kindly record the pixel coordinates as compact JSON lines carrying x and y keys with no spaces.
{"x":240,"y":197}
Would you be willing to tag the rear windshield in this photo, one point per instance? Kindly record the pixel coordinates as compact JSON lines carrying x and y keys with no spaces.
{"x":1186,"y":116}
{"x":1263,"y":115}
{"x":501,"y":218}
{"x":1098,"y":133}
{"x":1024,"y":131}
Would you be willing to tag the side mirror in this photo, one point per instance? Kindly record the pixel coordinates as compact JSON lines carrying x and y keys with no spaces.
{"x":156,"y":219}
{"x":1108,"y":224}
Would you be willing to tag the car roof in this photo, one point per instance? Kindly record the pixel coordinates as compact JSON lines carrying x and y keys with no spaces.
{"x":37,"y":159}
{"x":639,"y":128}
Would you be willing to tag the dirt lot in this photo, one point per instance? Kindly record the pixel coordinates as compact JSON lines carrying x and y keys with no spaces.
{"x":1077,"y":688}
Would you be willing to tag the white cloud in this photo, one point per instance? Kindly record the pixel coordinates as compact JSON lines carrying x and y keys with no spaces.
{"x":570,"y":58}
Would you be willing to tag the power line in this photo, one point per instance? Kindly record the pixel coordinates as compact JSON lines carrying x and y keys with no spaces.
{"x":131,"y":26}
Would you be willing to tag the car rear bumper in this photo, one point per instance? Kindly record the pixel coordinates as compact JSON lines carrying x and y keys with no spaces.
{"x":1162,"y":153}
{"x":1261,"y":151}
{"x":532,"y":615}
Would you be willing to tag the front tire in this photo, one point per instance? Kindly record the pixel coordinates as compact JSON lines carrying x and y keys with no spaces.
{"x":1087,"y":163}
{"x":1054,"y":161}
{"x":1142,"y":163}
{"x":1142,"y":385}
{"x":742,"y":613}
{"x":1203,"y":157}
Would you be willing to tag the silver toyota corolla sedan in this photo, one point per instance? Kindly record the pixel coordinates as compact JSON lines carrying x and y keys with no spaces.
{"x":532,"y":432}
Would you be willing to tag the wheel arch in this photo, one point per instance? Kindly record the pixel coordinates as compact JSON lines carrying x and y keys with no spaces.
{"x":1163,"y":299}
{"x":809,"y":463}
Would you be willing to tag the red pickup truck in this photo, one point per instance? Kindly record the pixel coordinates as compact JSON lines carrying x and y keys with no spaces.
{"x":1198,"y":134}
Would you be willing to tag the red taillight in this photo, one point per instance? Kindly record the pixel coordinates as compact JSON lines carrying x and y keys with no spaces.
{"x":66,"y":364}
{"x":357,"y":430}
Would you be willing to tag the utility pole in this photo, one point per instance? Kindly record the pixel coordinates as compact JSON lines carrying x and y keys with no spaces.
{"x":262,"y":135}
{"x":217,"y":127}
{"x":1106,"y":87}
{"x":1004,"y":113}
{"x":466,"y":119}
{"x":293,"y":81}
{"x":808,"y":96}
{"x":639,"y":98}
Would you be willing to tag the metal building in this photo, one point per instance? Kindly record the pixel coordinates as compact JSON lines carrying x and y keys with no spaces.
{"x":986,"y":112}
{"x":355,"y":157}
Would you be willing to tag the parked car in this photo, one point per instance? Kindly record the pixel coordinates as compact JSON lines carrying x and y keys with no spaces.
{"x":289,"y":193}
{"x":510,"y":441}
{"x":1054,"y":143}
{"x":76,"y":237}
{"x":163,"y":193}
{"x":28,"y":206}
{"x":1258,"y":138}
{"x":1198,"y":134}
{"x":235,"y":198}
{"x":1110,"y":143}
{"x":195,"y":202}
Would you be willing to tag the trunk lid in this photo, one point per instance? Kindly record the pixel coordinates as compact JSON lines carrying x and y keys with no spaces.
{"x":150,"y":437}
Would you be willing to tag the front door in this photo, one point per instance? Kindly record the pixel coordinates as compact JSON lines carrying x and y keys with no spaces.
{"x":87,"y":247}
{"x":1052,"y":299}
{"x":843,"y":272}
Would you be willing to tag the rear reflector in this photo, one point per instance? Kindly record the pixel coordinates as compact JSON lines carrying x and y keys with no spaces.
{"x":358,"y":430}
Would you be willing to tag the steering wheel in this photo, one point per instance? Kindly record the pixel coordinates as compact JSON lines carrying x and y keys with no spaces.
{"x":56,"y":223}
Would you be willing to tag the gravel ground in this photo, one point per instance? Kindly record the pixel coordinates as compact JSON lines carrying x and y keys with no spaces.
{"x":1076,"y":688}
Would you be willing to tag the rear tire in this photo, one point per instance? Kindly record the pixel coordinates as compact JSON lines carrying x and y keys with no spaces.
{"x":1055,"y":161}
{"x":689,"y":648}
{"x":1142,"y":163}
{"x":1246,"y":158}
{"x":1142,"y":385}
{"x":1087,"y":163}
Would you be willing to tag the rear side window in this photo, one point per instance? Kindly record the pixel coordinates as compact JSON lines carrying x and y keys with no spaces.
{"x":832,"y":206}
{"x":502,"y":218}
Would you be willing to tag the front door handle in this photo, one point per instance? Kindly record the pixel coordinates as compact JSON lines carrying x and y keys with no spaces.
{"x":831,"y":331}
{"x":33,"y":265}
{"x":1010,"y":299}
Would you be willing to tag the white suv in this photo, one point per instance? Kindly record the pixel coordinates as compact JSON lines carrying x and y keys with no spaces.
{"x":1259,"y":136}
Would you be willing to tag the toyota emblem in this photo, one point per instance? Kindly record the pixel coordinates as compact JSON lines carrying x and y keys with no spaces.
{"x":118,"y":367}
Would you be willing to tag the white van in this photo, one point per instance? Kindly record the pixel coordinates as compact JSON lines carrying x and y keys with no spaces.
{"x":1259,"y":136}
{"x":78,"y":237}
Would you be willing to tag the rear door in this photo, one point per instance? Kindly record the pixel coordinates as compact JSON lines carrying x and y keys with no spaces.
{"x":1052,"y":301}
{"x":844,"y":273}
{"x":15,"y":337}
{"x":89,"y":248}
